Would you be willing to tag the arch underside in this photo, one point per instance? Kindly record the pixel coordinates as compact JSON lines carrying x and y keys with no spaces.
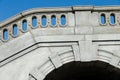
{"x":95,"y":70}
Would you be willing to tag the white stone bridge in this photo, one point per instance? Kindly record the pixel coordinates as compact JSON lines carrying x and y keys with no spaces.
{"x":39,"y":41}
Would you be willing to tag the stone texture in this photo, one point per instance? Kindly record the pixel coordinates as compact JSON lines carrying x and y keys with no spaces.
{"x":42,"y":49}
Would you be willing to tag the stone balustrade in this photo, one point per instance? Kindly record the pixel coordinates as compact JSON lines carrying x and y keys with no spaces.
{"x":62,"y":21}
{"x":37,"y":41}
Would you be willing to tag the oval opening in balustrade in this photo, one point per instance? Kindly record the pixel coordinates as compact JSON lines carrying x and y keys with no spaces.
{"x":103,"y":19}
{"x":24,"y":25}
{"x":44,"y":21}
{"x":63,"y":20}
{"x":53,"y":20}
{"x":112,"y":18}
{"x":5,"y":34}
{"x":15,"y":30}
{"x":34,"y":21}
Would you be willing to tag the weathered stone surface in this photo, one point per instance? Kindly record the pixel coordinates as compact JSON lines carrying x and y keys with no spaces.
{"x":34,"y":53}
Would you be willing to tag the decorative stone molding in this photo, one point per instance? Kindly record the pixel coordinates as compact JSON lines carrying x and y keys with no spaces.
{"x":36,"y":51}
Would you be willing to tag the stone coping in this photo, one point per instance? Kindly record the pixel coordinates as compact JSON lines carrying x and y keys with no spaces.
{"x":59,"y":9}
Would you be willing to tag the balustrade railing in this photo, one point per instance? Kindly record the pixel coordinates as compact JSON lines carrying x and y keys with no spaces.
{"x":59,"y":18}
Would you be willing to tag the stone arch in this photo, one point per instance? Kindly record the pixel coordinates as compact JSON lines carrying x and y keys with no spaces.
{"x":83,"y":71}
{"x":75,"y":42}
{"x":54,"y":63}
{"x":95,"y":67}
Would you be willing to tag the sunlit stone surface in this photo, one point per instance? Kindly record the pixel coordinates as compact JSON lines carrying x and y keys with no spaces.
{"x":66,"y":43}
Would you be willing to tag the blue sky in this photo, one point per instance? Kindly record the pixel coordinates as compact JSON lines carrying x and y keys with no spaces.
{"x":9,"y":8}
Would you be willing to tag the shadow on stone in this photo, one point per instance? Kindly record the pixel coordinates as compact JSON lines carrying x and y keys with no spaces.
{"x":96,"y":70}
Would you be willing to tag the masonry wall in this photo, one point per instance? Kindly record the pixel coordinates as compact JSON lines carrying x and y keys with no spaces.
{"x":37,"y":50}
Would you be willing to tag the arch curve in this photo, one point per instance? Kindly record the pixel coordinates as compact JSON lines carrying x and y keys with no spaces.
{"x":52,"y":70}
{"x":95,"y":70}
{"x":83,"y":71}
{"x":61,"y":45}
